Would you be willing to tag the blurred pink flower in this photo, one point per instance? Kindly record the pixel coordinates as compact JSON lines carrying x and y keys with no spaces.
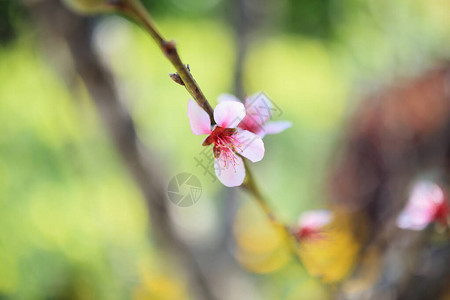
{"x":258,"y":113}
{"x":311,"y":224}
{"x":228,"y":141}
{"x":427,"y":203}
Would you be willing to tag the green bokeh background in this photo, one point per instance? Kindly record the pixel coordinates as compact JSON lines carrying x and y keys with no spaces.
{"x":73,"y":223}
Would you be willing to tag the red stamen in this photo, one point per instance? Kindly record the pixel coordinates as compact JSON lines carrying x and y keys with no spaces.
{"x":225,"y":144}
{"x":309,"y":233}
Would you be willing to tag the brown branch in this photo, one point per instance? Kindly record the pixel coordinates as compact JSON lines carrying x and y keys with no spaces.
{"x":135,"y":10}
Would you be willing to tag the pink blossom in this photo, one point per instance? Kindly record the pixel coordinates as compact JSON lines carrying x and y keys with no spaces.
{"x":258,"y":113}
{"x":311,"y":224}
{"x":229,"y":142}
{"x":427,"y":203}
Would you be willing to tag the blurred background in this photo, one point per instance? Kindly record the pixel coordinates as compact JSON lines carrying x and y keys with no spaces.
{"x":76,"y":222}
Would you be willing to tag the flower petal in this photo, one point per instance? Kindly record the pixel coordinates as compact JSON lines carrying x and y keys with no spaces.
{"x":198,"y":118}
{"x":251,"y":146}
{"x":421,"y":207}
{"x":229,"y":114}
{"x":276,"y":127}
{"x":230,"y":173}
{"x":227,"y":97}
{"x":408,"y":220}
{"x":258,"y":108}
{"x":315,"y":219}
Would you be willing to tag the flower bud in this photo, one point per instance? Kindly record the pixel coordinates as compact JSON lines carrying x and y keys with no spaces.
{"x":311,"y":224}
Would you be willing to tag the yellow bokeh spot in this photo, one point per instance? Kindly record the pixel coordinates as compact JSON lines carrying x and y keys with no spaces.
{"x":158,"y":285}
{"x":261,"y":244}
{"x":266,"y":262}
{"x":332,"y":256}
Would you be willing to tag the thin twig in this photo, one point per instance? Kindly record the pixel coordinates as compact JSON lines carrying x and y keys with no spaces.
{"x":135,"y":10}
{"x":253,"y":189}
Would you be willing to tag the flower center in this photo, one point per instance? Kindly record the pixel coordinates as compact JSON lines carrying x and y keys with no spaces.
{"x":309,"y":233}
{"x":225,"y":144}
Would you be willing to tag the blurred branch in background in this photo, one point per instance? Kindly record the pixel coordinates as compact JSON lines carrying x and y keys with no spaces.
{"x":242,"y":18}
{"x":397,"y":136}
{"x":248,"y":18}
{"x":9,"y":10}
{"x":56,"y":20}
